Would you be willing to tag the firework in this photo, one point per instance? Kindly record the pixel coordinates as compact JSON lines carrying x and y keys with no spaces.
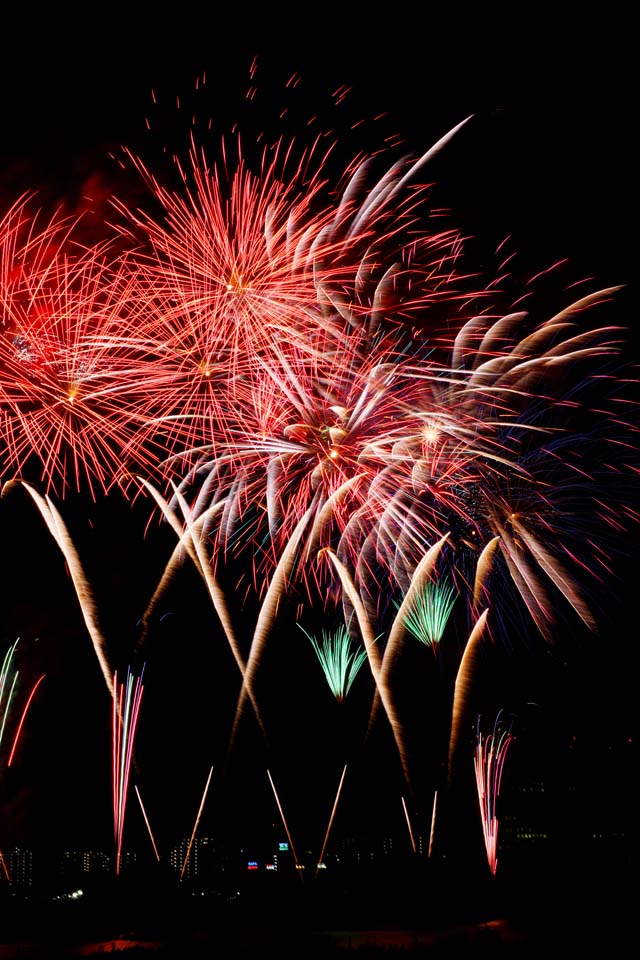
{"x":339,"y":658}
{"x":309,"y":360}
{"x":375,"y":658}
{"x":267,"y":617}
{"x":428,"y":617}
{"x":23,"y":717}
{"x":390,"y":437}
{"x":400,"y":451}
{"x":331,"y":819}
{"x":7,"y":686}
{"x":148,"y":825}
{"x":254,"y":291}
{"x":462,"y":687}
{"x":433,"y":823}
{"x":64,"y":404}
{"x":326,"y":405}
{"x":409,"y":827}
{"x":125,"y":714}
{"x":397,"y":631}
{"x":8,"y":690}
{"x":195,"y":825}
{"x":285,"y":825}
{"x":84,"y":592}
{"x":490,"y":755}
{"x":257,"y":252}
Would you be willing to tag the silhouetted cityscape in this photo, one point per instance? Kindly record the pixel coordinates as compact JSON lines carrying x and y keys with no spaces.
{"x":577,"y":819}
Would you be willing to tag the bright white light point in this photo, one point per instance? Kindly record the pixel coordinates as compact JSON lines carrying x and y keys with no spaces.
{"x":333,"y":454}
{"x":430,"y":433}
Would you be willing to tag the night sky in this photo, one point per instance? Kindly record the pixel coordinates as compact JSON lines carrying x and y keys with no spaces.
{"x":546,"y":160}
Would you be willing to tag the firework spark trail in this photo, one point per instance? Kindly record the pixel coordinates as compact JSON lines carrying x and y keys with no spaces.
{"x":331,"y":819}
{"x":432,"y":832}
{"x":28,"y":246}
{"x":421,"y":576}
{"x":409,"y":827}
{"x":7,"y":687}
{"x":266,"y":617}
{"x":464,"y":678}
{"x":383,"y":689}
{"x":58,"y":530}
{"x":148,"y":825}
{"x":22,"y":719}
{"x":483,"y":568}
{"x":489,"y":758}
{"x":555,"y":571}
{"x":196,"y":824}
{"x":126,"y":710}
{"x":423,"y":571}
{"x":285,"y":825}
{"x":190,"y":537}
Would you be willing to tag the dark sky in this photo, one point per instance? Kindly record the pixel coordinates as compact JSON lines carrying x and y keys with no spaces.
{"x":547,"y":158}
{"x":549,"y":153}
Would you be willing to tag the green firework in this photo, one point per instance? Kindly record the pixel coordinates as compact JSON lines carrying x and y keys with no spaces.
{"x":340,"y":658}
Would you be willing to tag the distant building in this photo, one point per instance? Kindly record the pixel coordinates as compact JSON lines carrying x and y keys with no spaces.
{"x":524,"y":828}
{"x":77,"y":865}
{"x":17,"y":867}
{"x":199,"y":861}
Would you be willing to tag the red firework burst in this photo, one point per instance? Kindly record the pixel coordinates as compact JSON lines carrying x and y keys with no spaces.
{"x":63,"y":414}
{"x":236,"y":262}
